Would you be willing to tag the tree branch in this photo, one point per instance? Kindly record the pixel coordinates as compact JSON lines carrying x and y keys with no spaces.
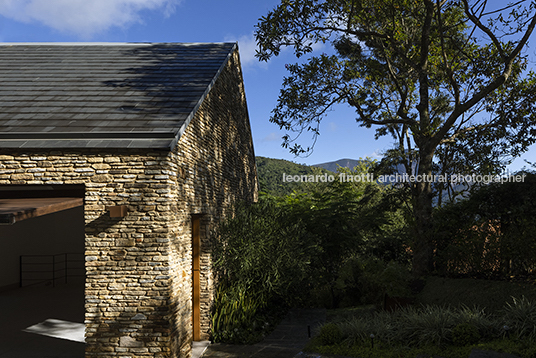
{"x":423,"y":106}
{"x":448,"y":69}
{"x":508,"y":62}
{"x":484,"y":29}
{"x":401,"y":112}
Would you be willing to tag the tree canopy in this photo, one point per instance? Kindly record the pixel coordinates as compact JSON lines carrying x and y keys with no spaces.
{"x":449,"y":80}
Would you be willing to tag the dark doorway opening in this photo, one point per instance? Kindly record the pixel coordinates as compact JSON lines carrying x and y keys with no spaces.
{"x":43,"y":313}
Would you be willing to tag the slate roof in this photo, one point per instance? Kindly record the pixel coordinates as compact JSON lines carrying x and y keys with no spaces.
{"x":56,"y":95}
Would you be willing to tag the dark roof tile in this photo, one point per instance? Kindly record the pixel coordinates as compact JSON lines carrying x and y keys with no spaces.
{"x":93,"y":91}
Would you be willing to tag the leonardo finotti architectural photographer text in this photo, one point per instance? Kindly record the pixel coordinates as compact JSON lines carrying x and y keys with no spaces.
{"x":404,"y":178}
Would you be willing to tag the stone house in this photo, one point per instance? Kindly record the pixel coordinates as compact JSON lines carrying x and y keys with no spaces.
{"x":143,"y":148}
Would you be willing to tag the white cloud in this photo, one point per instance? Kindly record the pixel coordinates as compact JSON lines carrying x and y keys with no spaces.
{"x":377,"y":154}
{"x":271,"y":137}
{"x":85,"y":18}
{"x":247,"y":46}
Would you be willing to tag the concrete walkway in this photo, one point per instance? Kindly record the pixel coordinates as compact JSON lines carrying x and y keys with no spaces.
{"x":286,"y":341}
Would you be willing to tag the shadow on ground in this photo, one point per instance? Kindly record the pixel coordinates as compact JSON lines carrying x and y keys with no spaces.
{"x":286,"y":341}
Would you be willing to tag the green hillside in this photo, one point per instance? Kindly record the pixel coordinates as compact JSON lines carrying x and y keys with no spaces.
{"x":270,"y":172}
{"x":333,"y":166}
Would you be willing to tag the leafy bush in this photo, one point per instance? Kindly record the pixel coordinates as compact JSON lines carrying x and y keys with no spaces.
{"x":330,"y":334}
{"x":490,"y":233}
{"x":350,"y":223}
{"x":261,"y":262}
{"x":381,"y":278}
{"x":234,"y":316}
{"x":465,"y":334}
{"x":303,"y":249}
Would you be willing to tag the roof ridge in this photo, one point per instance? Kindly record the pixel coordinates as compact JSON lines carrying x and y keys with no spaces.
{"x":111,"y":43}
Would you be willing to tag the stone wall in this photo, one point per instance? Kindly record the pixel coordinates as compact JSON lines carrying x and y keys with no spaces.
{"x":127,"y":268}
{"x":138,"y":268}
{"x":216,"y":169}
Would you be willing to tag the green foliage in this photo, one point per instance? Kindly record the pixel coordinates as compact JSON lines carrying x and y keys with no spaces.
{"x":520,"y":317}
{"x":392,"y":278}
{"x":432,"y":330}
{"x":270,"y":173}
{"x":393,"y":59}
{"x":357,"y":330}
{"x":261,"y":259}
{"x":348,"y":221}
{"x":306,"y":249}
{"x":428,"y":325}
{"x":415,"y":327}
{"x":490,"y":233}
{"x":408,"y":68}
{"x":486,"y":325}
{"x":329,"y":334}
{"x":425,"y":327}
{"x":365,"y":280}
{"x":465,"y":334}
{"x":447,"y":80}
{"x":234,"y":317}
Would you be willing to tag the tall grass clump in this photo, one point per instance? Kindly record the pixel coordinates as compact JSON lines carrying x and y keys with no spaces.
{"x":358,"y":330}
{"x":234,"y":317}
{"x":423,"y":326}
{"x":260,"y":262}
{"x":520,"y":318}
{"x":488,"y":326}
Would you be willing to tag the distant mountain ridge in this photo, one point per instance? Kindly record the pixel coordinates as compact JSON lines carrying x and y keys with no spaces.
{"x":332,"y":166}
{"x":270,"y":173}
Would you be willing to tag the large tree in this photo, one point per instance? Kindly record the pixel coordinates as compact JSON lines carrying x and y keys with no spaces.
{"x":436,"y":75}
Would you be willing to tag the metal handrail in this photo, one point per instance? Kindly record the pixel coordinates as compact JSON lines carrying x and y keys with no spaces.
{"x":52,"y":265}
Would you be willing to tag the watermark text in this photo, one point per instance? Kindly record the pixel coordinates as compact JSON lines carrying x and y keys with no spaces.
{"x":404,"y":178}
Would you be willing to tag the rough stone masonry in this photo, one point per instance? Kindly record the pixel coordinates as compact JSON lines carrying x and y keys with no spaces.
{"x":138,"y":290}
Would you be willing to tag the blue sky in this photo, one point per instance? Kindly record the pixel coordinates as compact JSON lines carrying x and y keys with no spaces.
{"x":196,"y":21}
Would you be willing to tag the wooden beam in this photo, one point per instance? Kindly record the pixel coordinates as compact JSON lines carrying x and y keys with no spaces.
{"x":196,"y":284}
{"x":15,"y":210}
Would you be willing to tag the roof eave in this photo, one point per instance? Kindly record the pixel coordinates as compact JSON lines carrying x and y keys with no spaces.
{"x":106,"y":140}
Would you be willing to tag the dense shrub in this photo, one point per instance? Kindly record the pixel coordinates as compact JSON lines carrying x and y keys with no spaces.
{"x":438,"y":326}
{"x":261,"y":261}
{"x":306,"y":249}
{"x":465,"y":334}
{"x":329,"y":334}
{"x":490,"y":233}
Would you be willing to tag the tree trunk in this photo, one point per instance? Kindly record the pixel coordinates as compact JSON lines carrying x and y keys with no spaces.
{"x":423,"y":247}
